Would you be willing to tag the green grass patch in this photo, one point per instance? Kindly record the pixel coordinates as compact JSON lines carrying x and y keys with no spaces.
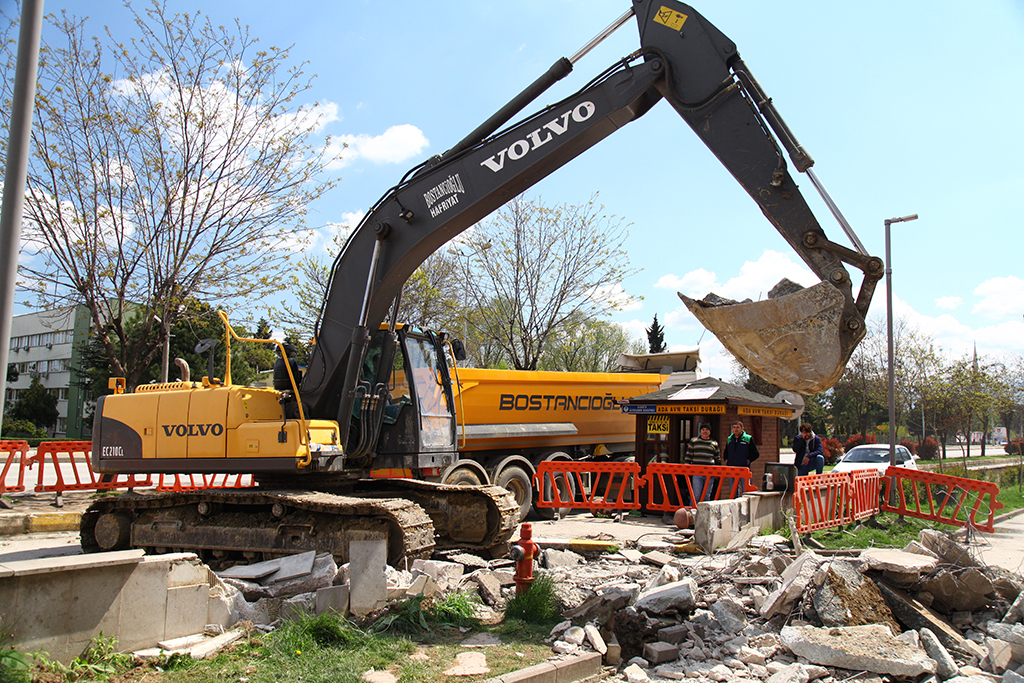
{"x":538,"y":605}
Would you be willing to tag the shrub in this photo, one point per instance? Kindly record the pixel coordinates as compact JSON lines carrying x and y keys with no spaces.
{"x":857,"y":440}
{"x":910,"y":446}
{"x":928,"y":449}
{"x":1014,"y":446}
{"x":15,"y":428}
{"x":833,"y":450}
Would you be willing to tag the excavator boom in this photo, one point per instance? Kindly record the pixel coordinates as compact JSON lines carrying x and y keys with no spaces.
{"x":684,"y":59}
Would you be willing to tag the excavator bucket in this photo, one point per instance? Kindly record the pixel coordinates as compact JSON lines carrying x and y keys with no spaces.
{"x":794,"y":341}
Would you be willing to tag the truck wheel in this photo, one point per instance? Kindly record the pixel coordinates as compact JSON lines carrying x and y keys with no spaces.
{"x":516,"y":481}
{"x":463,"y":476}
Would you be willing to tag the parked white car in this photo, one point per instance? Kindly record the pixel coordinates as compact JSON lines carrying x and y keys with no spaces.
{"x":874,"y":456}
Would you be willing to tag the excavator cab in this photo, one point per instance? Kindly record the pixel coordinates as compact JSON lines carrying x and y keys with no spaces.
{"x":409,"y":406}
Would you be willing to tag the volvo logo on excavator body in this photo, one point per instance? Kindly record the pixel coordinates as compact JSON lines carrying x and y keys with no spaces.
{"x":193,"y":429}
{"x":543,"y":135}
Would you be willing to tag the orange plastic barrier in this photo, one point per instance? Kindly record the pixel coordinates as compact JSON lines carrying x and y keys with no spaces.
{"x":822,"y":500}
{"x":663,"y":484}
{"x":195,"y":482}
{"x":953,"y":500}
{"x":609,"y":484}
{"x":84,"y":479}
{"x":866,"y":492}
{"x":13,"y":452}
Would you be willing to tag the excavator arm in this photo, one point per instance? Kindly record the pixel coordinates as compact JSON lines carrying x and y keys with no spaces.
{"x":800,"y":341}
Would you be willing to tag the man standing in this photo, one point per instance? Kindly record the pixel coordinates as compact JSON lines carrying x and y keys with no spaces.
{"x":809,"y":451}
{"x":740,"y":451}
{"x":702,"y":450}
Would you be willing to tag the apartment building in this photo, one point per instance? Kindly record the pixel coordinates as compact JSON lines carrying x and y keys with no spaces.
{"x":47,"y":345}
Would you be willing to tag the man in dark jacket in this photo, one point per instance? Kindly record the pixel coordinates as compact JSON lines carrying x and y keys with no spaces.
{"x":740,"y":451}
{"x":809,"y":451}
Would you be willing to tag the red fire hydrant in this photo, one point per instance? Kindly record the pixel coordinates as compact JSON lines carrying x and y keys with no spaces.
{"x":524,"y":553}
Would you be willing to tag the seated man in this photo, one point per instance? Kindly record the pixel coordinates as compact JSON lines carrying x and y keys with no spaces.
{"x":809,"y":451}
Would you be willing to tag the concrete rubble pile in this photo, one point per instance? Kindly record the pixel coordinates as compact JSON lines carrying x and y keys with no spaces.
{"x":927,"y":613}
{"x":758,"y":612}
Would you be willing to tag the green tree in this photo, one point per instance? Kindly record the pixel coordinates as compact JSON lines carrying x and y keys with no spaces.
{"x":36,"y":405}
{"x":170,"y":165}
{"x":656,"y":337}
{"x":591,"y":346}
{"x":196,"y":321}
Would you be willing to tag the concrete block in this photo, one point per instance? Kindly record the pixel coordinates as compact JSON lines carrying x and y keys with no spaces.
{"x":332,"y":599}
{"x":295,"y":608}
{"x":538,"y":673}
{"x":368,"y":585}
{"x":659,"y":653}
{"x":95,"y":605}
{"x":674,"y":634}
{"x":186,"y":610}
{"x":614,"y":655}
{"x":578,"y":668}
{"x":187,"y":572}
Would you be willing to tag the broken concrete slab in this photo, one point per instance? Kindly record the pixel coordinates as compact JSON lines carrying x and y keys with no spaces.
{"x":960,"y":590}
{"x":489,"y":587}
{"x":849,"y":598}
{"x":595,"y":639}
{"x":795,"y":580}
{"x":332,"y":599}
{"x":659,"y":652}
{"x":552,"y":558}
{"x":946,"y":665}
{"x":887,"y":559}
{"x":445,"y":574}
{"x":214,"y":645}
{"x":368,"y":587}
{"x":858,"y":648}
{"x":679,"y":597}
{"x":657,"y":558}
{"x":948,"y":549}
{"x":469,"y":664}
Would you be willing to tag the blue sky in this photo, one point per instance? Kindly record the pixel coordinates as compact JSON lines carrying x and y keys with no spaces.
{"x":909,"y":107}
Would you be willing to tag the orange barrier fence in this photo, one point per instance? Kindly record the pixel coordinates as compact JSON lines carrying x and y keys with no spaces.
{"x":195,"y":482}
{"x":73,"y":472}
{"x":605,"y":487}
{"x":665,"y":493}
{"x":866,"y":491}
{"x":949,"y":500}
{"x":13,"y":454}
{"x":823,"y":500}
{"x":82,"y":477}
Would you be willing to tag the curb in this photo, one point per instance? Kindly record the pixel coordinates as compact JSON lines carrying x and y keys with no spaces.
{"x":563,"y":671}
{"x":43,"y":522}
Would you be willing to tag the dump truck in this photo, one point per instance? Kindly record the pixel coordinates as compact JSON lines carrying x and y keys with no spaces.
{"x":315,"y":440}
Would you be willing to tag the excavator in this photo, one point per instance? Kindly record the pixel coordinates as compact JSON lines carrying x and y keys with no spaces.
{"x":378,"y":395}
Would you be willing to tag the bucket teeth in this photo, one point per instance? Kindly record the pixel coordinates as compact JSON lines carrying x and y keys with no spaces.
{"x":794,"y":341}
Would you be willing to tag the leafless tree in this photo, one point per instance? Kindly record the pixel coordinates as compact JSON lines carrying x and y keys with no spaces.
{"x":537,"y":269}
{"x":170,"y":165}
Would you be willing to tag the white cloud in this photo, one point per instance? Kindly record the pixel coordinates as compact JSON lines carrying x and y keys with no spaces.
{"x":948,"y":303}
{"x":1002,"y":298}
{"x":636,"y":329}
{"x":754,"y":281}
{"x":395,"y":145}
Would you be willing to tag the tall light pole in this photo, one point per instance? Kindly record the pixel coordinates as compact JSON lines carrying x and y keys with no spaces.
{"x":888,"y":315}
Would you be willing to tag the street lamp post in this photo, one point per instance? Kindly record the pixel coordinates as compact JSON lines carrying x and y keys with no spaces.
{"x":888,"y":311}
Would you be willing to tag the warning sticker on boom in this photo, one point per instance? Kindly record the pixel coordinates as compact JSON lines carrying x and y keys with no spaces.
{"x":671,"y":18}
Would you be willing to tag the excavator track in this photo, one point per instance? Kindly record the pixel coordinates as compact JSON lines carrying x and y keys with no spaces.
{"x":477,"y":517}
{"x":237,"y":526}
{"x":232,"y":526}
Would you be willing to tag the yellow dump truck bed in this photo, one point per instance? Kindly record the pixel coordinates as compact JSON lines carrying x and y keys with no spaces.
{"x":537,"y":409}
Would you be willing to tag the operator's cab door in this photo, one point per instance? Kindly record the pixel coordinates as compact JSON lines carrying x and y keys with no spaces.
{"x":420,"y":421}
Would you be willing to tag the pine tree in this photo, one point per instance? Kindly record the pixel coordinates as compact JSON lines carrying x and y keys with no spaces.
{"x":656,"y":337}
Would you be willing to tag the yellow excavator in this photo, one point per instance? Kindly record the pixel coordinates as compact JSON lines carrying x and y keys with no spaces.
{"x":379,"y":396}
